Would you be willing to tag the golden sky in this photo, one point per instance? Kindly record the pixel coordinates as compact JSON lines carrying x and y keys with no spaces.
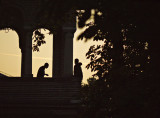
{"x":10,"y":54}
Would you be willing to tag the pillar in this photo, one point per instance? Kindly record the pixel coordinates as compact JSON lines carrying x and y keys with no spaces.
{"x":63,"y":51}
{"x":26,"y":66}
{"x":68,"y":33}
{"x":57,"y":53}
{"x":63,"y":48}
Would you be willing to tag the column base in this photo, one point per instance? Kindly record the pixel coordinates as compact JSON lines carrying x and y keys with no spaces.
{"x":28,"y":75}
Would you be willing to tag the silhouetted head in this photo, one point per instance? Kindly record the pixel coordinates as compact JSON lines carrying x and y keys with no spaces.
{"x":76,"y":61}
{"x":80,"y":63}
{"x":46,"y":65}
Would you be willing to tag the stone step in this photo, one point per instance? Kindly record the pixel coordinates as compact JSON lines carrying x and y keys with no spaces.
{"x":41,"y":90}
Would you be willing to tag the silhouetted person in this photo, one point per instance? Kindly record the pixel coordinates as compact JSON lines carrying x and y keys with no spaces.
{"x":78,"y":70}
{"x":41,"y":71}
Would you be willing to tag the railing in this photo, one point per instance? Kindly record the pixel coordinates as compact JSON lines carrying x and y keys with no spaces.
{"x":5,"y":74}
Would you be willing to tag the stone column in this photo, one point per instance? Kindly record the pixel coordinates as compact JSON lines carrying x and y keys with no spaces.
{"x":63,"y":48}
{"x":57,"y":53}
{"x":26,"y":69}
{"x":68,"y":33}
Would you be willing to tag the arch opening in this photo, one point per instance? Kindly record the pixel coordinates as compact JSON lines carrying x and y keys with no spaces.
{"x":10,"y":53}
{"x":44,"y":54}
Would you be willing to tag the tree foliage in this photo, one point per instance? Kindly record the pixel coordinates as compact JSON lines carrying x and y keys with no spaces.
{"x":95,"y":99}
{"x":124,"y":60}
{"x":38,"y":39}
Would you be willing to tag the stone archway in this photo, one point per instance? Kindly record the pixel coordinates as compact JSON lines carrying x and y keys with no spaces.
{"x":30,"y":97}
{"x":12,"y":17}
{"x":22,"y":18}
{"x":45,"y":53}
{"x":11,"y":21}
{"x":10,"y":53}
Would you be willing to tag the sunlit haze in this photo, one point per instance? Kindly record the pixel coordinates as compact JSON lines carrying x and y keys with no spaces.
{"x":44,"y":55}
{"x":10,"y":53}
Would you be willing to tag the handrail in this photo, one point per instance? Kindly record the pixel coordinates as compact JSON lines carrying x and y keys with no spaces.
{"x":5,"y":74}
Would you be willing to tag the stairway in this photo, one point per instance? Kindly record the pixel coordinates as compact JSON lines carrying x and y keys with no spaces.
{"x":39,"y":97}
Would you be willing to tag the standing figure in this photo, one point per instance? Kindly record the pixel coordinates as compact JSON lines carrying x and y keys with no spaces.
{"x":78,"y":70}
{"x":41,"y":71}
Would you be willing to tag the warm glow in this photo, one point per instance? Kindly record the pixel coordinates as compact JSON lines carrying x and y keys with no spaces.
{"x":80,"y":49}
{"x":10,"y":53}
{"x":44,"y":55}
